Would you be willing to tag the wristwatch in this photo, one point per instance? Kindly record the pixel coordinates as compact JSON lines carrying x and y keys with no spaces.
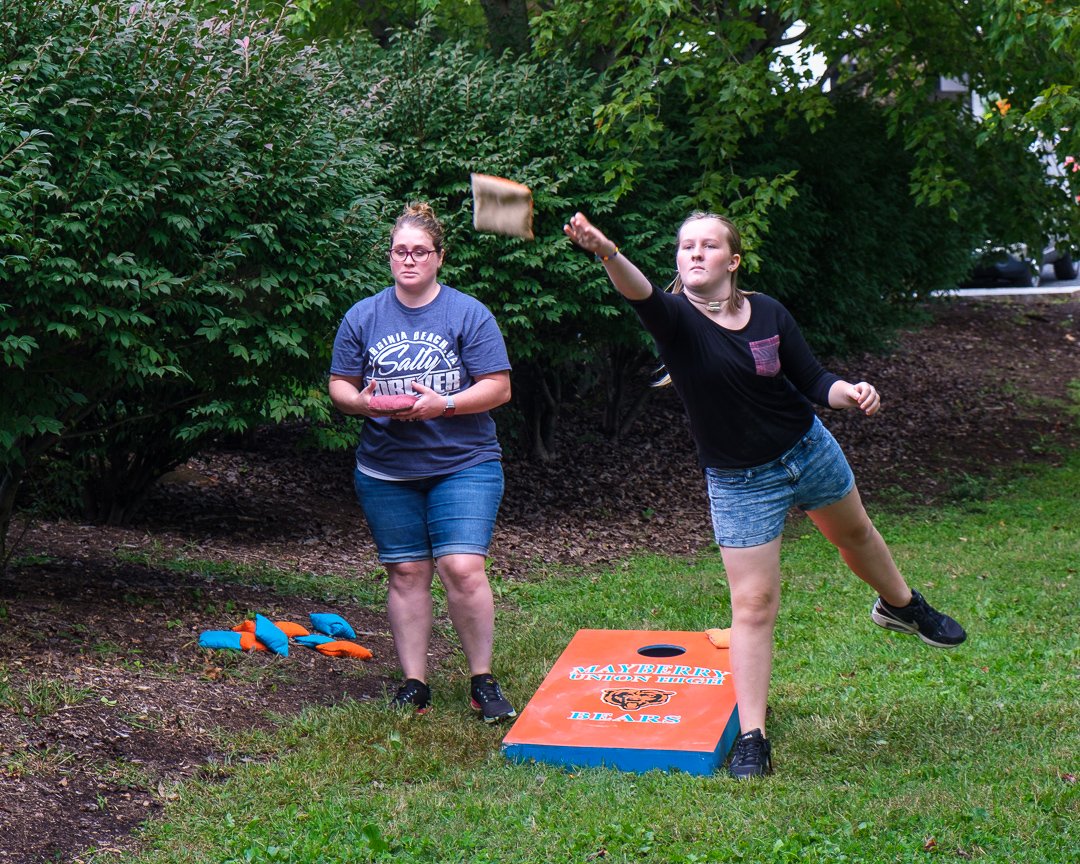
{"x":448,"y":411}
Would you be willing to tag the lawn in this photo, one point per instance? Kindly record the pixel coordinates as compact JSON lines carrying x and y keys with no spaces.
{"x":885,"y":750}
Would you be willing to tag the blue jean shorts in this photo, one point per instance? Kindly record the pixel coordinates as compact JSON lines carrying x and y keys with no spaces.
{"x":749,"y":506}
{"x":415,"y":520}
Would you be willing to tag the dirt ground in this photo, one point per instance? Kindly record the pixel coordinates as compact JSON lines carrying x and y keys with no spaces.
{"x":107,"y":702}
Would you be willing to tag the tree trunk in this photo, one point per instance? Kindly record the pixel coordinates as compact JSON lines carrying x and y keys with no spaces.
{"x":624,"y":386}
{"x":538,"y":392}
{"x":10,"y":481}
{"x":122,"y":466}
{"x":9,"y":488}
{"x":508,"y":25}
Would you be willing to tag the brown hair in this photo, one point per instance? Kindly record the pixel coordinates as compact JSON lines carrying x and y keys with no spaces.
{"x":734,"y":302}
{"x":420,"y":215}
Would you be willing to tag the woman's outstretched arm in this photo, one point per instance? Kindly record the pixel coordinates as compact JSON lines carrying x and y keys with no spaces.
{"x":624,"y":275}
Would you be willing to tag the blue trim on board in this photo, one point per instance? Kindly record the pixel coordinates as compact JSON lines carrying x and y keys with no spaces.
{"x":630,"y":759}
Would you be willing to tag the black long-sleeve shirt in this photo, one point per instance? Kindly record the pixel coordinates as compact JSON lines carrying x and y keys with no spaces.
{"x":746,"y":391}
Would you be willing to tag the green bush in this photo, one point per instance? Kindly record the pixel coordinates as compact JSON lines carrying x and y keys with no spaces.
{"x":182,"y":201}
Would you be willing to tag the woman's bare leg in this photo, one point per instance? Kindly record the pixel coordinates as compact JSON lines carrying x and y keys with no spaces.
{"x":409,"y":608}
{"x":754,"y":581}
{"x":846,"y":525}
{"x":471,"y":606}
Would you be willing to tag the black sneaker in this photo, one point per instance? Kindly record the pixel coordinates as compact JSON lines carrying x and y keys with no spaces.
{"x":920,"y":618}
{"x":752,"y":756}
{"x":413,"y":695}
{"x":487,"y":698}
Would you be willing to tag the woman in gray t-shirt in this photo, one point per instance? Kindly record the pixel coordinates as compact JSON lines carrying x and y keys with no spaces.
{"x":424,"y":364}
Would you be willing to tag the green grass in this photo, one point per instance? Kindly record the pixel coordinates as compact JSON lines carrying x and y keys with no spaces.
{"x":886,"y":750}
{"x":39,"y":697}
{"x":35,"y":761}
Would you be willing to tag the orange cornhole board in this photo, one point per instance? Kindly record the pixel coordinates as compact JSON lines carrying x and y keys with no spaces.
{"x":633,"y":700}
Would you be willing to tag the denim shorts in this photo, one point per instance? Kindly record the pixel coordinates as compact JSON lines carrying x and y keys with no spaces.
{"x":749,"y":505}
{"x":451,"y":514}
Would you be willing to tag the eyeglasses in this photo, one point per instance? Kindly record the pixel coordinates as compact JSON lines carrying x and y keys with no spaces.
{"x":401,"y":254}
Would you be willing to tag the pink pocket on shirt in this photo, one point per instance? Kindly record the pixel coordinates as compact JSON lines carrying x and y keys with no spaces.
{"x":766,"y":356}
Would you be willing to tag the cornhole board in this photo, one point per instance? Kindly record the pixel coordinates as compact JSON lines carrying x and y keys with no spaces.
{"x":634,"y":700}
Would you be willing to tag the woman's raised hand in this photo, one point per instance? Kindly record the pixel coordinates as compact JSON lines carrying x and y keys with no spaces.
{"x":586,"y":235}
{"x":627,"y":279}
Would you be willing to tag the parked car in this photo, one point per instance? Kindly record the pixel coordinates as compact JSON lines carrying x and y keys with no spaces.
{"x":1065,"y":267}
{"x":1013,"y":265}
{"x":993,"y":265}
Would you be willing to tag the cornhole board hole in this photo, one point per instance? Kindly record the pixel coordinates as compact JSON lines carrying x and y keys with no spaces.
{"x":634,"y":700}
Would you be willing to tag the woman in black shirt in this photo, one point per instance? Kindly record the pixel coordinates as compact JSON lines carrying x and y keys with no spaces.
{"x":747,"y":380}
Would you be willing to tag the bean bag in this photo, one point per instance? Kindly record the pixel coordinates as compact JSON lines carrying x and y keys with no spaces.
{"x":342,"y":648}
{"x":286,"y":627}
{"x":391,"y":404}
{"x":332,"y":625}
{"x":230,"y":640}
{"x":721,"y":638}
{"x":267,"y":632}
{"x":313,"y":640}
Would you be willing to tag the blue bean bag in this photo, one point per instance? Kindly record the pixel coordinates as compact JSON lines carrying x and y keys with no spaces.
{"x":332,"y":625}
{"x":272,"y":636}
{"x":228,"y":640}
{"x":313,"y":640}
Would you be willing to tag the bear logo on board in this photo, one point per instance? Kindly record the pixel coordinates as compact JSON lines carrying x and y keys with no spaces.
{"x":635,"y":698}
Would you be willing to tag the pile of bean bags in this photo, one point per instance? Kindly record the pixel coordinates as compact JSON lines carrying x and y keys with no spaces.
{"x":330,"y":634}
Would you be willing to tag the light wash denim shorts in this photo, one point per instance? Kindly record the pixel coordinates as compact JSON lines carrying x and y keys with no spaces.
{"x":415,"y":520}
{"x":749,"y":505}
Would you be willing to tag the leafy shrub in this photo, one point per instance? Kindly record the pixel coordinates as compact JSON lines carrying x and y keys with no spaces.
{"x":181,"y":203}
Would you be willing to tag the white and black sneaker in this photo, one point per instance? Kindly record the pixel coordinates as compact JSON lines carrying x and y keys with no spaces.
{"x":487,"y":697}
{"x":920,"y":618}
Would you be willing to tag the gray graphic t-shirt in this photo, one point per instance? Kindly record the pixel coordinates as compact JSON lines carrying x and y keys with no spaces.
{"x":443,"y":345}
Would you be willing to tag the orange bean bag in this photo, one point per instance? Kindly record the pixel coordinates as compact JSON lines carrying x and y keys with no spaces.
{"x":721,"y":638}
{"x":286,"y":627}
{"x":248,"y":642}
{"x":342,"y":648}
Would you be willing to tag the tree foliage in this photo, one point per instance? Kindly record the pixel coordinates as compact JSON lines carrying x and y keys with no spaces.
{"x":453,"y":20}
{"x":741,"y":67}
{"x":852,"y":251}
{"x":189,"y":201}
